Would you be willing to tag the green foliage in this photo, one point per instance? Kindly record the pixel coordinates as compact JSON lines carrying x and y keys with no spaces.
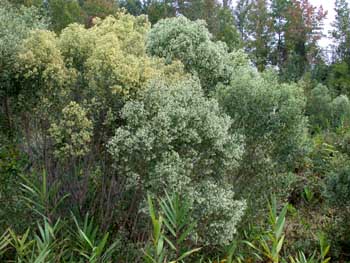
{"x":338,"y":79}
{"x":89,"y":246}
{"x":327,"y":113}
{"x":41,"y":198}
{"x":319,"y":107}
{"x":41,"y":71}
{"x":324,"y":249}
{"x":338,"y":186}
{"x":269,"y":114}
{"x":64,"y":12}
{"x":41,"y":247}
{"x":191,"y":43}
{"x":270,"y":244}
{"x":20,"y":21}
{"x":112,"y":110}
{"x":15,"y":26}
{"x":12,"y":163}
{"x":341,"y":30}
{"x":176,"y":214}
{"x":4,"y":242}
{"x":99,"y":8}
{"x":176,"y":224}
{"x":177,"y":139}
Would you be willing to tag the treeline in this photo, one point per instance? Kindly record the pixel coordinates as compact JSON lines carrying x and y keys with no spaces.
{"x":275,"y":33}
{"x":163,"y":138}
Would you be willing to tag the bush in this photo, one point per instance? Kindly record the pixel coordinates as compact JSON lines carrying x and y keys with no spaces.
{"x":176,"y":139}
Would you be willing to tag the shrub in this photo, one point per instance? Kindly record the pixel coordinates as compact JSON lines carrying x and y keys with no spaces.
{"x":178,"y":140}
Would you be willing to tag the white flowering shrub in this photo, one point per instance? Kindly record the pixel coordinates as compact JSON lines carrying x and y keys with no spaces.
{"x":176,"y":139}
{"x":217,"y":210}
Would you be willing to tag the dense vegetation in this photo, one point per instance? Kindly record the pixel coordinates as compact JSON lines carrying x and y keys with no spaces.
{"x":173,"y":131}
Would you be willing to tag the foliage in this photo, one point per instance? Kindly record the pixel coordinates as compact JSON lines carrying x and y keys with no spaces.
{"x":15,"y":25}
{"x":176,"y":223}
{"x":325,"y":112}
{"x":338,"y":186}
{"x":72,"y":134}
{"x":190,"y":42}
{"x":270,"y":245}
{"x":338,"y":79}
{"x":177,"y":139}
{"x":12,"y":163}
{"x":42,"y":199}
{"x":341,"y":30}
{"x":268,"y":114}
{"x":63,"y":13}
{"x":88,"y":244}
{"x":94,"y":117}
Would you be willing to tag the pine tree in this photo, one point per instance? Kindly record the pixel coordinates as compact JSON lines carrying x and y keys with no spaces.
{"x":260,"y":33}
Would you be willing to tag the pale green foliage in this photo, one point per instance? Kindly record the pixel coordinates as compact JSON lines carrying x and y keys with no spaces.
{"x":216,"y":210}
{"x":100,"y":67}
{"x":111,"y":55}
{"x":39,"y":59}
{"x":15,"y":25}
{"x":191,"y":43}
{"x":178,"y":140}
{"x":270,"y":115}
{"x":76,"y":44}
{"x":107,"y":59}
{"x":72,"y":133}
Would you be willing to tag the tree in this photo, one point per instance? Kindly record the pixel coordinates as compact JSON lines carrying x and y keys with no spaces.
{"x":134,"y":7}
{"x":241,"y":17}
{"x":100,"y":67}
{"x":226,"y":30}
{"x":63,"y":13}
{"x":15,"y":25}
{"x":301,"y":33}
{"x":325,"y":112}
{"x":259,"y":30}
{"x":338,"y":79}
{"x":178,"y":140}
{"x":278,"y":11}
{"x":341,"y":32}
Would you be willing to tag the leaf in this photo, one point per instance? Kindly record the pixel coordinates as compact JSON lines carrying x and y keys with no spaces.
{"x":186,"y":254}
{"x":279,"y":245}
{"x":281,"y":221}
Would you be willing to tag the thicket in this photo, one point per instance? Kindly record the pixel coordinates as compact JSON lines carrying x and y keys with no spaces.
{"x":126,"y":142}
